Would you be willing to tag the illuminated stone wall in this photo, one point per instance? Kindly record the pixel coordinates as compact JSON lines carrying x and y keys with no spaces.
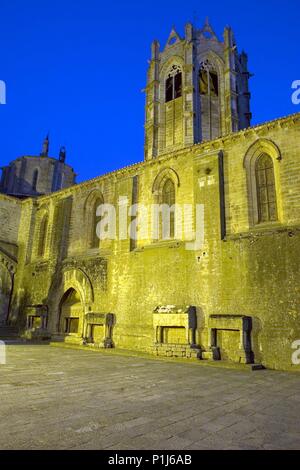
{"x":10,"y":212}
{"x":248,"y":269}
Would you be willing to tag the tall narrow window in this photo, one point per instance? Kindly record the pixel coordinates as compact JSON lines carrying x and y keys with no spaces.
{"x":214,"y":84}
{"x":203,"y":83}
{"x":169,"y":89}
{"x":178,"y":85}
{"x":168,"y":198}
{"x":43,"y":236}
{"x":95,"y":220}
{"x":266,"y":191}
{"x":208,"y":82}
{"x":174,"y":84}
{"x":210,"y":106}
{"x":35,"y":179}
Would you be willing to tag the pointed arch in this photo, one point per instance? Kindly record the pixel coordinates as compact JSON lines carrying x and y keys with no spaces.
{"x":213,"y":60}
{"x":43,"y":235}
{"x":164,"y":191}
{"x":208,"y":79}
{"x":71,"y":312}
{"x":41,"y":232}
{"x":173,"y":38}
{"x":265,"y":188}
{"x":261,"y":163}
{"x":260,"y":146}
{"x":93,"y":201}
{"x":168,"y":199}
{"x":73,"y":279}
{"x":210,"y":95}
{"x":174,"y":62}
{"x":163,"y":175}
{"x":173,"y":83}
{"x":207,"y":31}
{"x":171,"y":96}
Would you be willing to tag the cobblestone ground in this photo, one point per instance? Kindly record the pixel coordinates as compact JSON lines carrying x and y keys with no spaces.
{"x":53,"y":398}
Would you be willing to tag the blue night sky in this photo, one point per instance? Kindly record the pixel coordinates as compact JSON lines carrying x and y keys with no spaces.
{"x":76,"y":69}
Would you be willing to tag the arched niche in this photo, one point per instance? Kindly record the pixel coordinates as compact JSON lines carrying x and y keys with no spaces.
{"x":259,"y":148}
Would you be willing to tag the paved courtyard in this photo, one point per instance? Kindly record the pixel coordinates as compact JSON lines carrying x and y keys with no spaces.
{"x":54,"y":398}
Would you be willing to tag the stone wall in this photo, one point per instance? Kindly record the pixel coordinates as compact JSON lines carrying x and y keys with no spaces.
{"x":10,"y":212}
{"x":249,"y":270}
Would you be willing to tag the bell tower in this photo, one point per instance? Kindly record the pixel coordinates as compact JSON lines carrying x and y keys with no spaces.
{"x":197,"y":90}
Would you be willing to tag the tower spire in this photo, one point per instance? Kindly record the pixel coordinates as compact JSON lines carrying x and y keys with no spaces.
{"x":45,"y":147}
{"x":62,"y":154}
{"x":207,"y":30}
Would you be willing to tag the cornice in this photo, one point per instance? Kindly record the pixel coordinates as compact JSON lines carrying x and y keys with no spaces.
{"x":205,"y":146}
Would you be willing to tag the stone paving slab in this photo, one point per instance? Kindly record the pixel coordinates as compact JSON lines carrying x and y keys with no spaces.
{"x":58,"y":398}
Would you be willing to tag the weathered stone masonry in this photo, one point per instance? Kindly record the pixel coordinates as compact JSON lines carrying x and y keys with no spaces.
{"x":236,"y":298}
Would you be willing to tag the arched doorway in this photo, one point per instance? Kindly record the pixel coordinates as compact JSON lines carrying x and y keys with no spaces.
{"x":5,"y":293}
{"x":70,"y":296}
{"x":71,"y":314}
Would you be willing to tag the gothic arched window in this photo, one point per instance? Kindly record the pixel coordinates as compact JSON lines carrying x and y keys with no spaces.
{"x":208,"y":80}
{"x":210,"y":112}
{"x":95,"y":220}
{"x":168,"y":199}
{"x":266,"y":191}
{"x":173,"y":84}
{"x":35,"y":179}
{"x":43,"y":236}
